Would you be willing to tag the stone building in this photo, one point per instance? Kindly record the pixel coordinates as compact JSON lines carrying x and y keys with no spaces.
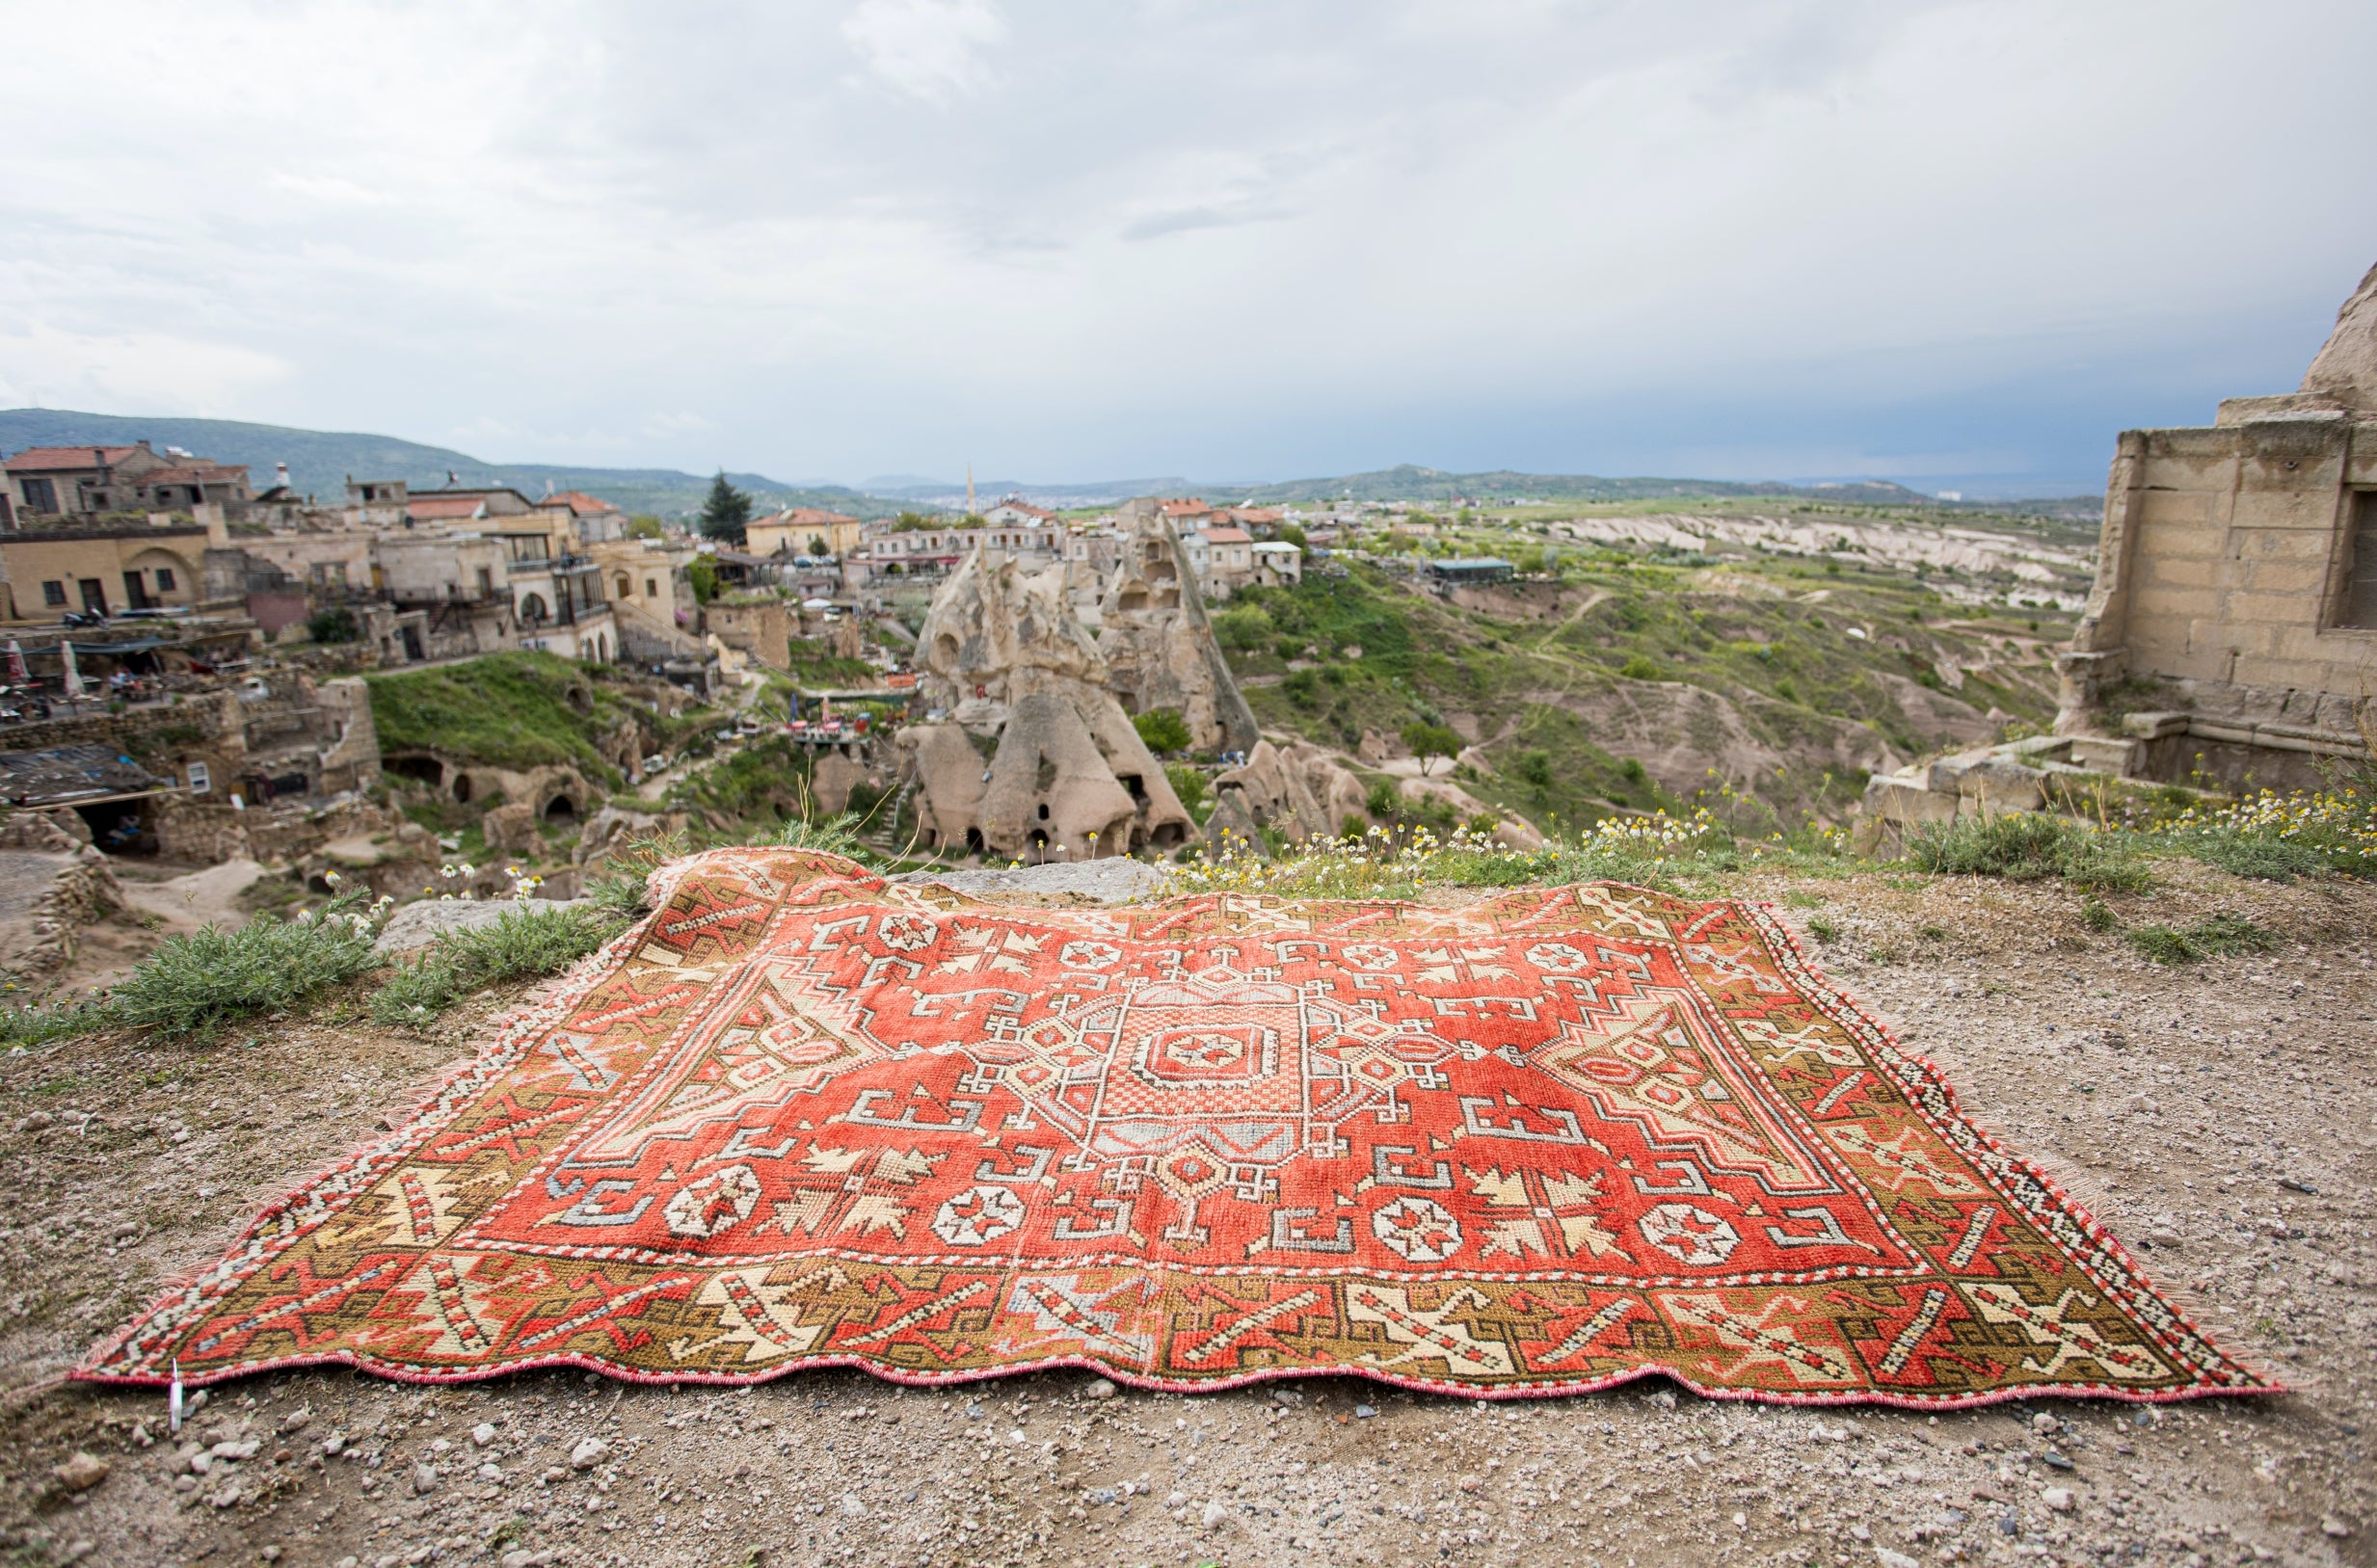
{"x":88,"y":563}
{"x":56,"y":482}
{"x":2234,"y":623}
{"x":795,"y":530}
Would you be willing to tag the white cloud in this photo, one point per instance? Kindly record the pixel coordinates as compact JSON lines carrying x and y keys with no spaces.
{"x":1239,"y":237}
{"x":48,"y":366}
{"x":929,"y":49}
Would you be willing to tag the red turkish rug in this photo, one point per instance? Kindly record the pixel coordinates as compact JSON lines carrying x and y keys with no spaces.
{"x":1539,"y":1144}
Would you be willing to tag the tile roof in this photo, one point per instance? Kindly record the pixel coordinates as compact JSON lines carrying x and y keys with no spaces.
{"x":428,"y":508}
{"x":580,"y":503}
{"x":804,"y":517}
{"x":1227,"y":536}
{"x":49,"y":459}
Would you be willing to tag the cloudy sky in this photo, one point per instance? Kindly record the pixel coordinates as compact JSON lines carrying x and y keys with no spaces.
{"x":1948,"y":243}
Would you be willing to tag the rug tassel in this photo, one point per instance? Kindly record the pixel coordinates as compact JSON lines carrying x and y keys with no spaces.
{"x":173,"y":1401}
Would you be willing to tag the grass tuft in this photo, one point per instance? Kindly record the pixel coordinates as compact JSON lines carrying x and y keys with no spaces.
{"x":524,"y":941}
{"x":53,"y":1021}
{"x":2025,"y":846}
{"x":191,"y":985}
{"x":2210,"y":938}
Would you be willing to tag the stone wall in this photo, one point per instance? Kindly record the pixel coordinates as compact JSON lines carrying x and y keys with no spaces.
{"x":2224,"y":579}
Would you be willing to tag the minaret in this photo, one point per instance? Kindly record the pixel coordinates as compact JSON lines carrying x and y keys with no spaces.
{"x":970,"y":489}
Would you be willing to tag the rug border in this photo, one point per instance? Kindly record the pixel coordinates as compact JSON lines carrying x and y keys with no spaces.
{"x":545,"y":1005}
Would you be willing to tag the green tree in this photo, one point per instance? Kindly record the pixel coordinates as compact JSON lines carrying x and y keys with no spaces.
{"x":817,"y":543}
{"x":334,"y":624}
{"x":644,"y":525}
{"x":1294,"y":534}
{"x":1430,"y":740}
{"x":703,"y":573}
{"x":909,"y":522}
{"x":1163,"y":729}
{"x":727,"y":512}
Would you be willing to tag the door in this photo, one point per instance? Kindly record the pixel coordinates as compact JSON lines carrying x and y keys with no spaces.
{"x":94,"y":595}
{"x":135,"y":591}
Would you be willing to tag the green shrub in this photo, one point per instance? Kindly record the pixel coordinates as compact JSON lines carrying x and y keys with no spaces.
{"x":53,"y":1021}
{"x":526,"y":940}
{"x":2271,"y":859}
{"x":1640,"y":667}
{"x":1163,"y":730}
{"x":1822,"y":930}
{"x":1193,"y":788}
{"x":334,"y":624}
{"x":2095,"y":916}
{"x":191,"y":985}
{"x":2025,"y":846}
{"x":2209,"y":938}
{"x":1383,"y":801}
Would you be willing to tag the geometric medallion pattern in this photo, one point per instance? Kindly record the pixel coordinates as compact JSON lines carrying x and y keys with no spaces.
{"x":1543,"y":1143}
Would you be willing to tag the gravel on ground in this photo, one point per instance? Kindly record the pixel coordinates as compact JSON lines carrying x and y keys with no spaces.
{"x":2222,"y":1118}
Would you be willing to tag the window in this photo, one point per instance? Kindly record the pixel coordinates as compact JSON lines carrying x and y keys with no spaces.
{"x":41,"y":495}
{"x":165,"y":579}
{"x":651,"y":588}
{"x":201,"y":780}
{"x":2360,"y":606}
{"x":53,"y":593}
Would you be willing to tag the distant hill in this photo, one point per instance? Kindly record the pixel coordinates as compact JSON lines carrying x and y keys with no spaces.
{"x":320,"y":461}
{"x":1410,"y":482}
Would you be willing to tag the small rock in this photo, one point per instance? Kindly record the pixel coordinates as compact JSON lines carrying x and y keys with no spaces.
{"x":853,"y":1506}
{"x":335,"y":1444}
{"x":490,"y":1472}
{"x":424,"y":1480}
{"x":483,"y":1434}
{"x":1363,"y":1412}
{"x":2055,"y":1461}
{"x":271,"y":1553}
{"x":140,"y":1435}
{"x":35,"y":1122}
{"x":1099,"y":1388}
{"x":1215,"y":1513}
{"x":297,"y":1421}
{"x":1895,"y":1559}
{"x":2043,"y":1423}
{"x":1860,"y":1533}
{"x":440,"y":1446}
{"x":2057,"y":1498}
{"x":1468,"y":1483}
{"x":588,"y":1453}
{"x":1662,"y":1400}
{"x":237,"y":1450}
{"x":81,"y":1472}
{"x":1178,"y":1499}
{"x":2331,"y":1525}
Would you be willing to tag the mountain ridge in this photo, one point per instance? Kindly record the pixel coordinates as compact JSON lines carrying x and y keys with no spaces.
{"x":320,"y":460}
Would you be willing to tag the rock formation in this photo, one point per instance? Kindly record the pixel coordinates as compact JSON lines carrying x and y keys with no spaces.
{"x":1296,"y":789}
{"x":1039,"y":761}
{"x":2345,"y":368}
{"x":1159,"y":647}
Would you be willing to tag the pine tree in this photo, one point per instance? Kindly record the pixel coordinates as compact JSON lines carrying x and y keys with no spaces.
{"x":727,"y":512}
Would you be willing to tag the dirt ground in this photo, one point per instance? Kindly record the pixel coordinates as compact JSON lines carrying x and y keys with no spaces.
{"x":2222,"y":1118}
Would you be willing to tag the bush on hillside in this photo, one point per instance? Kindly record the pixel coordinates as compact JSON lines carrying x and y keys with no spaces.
{"x":525,"y":940}
{"x":2025,"y":846}
{"x":1164,"y":730}
{"x":193,"y":985}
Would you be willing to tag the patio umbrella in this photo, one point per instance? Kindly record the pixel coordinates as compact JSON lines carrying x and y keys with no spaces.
{"x":16,"y":665}
{"x":73,"y":677}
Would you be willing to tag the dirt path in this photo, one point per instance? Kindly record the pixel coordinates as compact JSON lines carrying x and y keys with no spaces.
{"x":2224,"y":1119}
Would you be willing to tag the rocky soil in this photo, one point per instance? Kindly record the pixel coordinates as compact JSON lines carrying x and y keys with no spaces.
{"x":2222,"y":1118}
